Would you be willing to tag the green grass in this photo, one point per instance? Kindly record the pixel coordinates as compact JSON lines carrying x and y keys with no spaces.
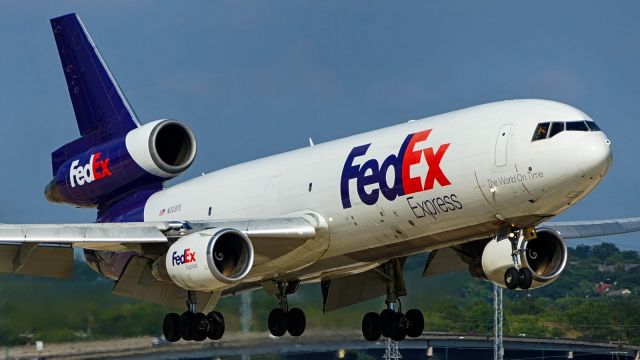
{"x":84,"y":308}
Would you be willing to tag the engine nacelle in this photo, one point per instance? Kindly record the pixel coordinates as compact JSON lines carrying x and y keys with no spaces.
{"x":208,"y":260}
{"x":545,"y":256}
{"x":164,"y":148}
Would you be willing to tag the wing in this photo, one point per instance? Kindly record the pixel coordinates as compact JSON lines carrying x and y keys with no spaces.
{"x":587,"y":229}
{"x":450,"y":260}
{"x":47,"y":249}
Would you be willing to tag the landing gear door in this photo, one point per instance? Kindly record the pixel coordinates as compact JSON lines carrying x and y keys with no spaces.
{"x":502,"y":143}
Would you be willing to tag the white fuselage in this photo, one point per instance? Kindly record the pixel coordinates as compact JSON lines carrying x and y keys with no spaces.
{"x":491,"y":172}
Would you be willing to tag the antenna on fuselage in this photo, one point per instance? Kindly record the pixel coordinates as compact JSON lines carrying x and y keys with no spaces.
{"x":311,"y":142}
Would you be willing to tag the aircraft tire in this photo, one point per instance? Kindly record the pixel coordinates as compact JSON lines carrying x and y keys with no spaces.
{"x":415,"y":323}
{"x":188,"y":326}
{"x":386,"y":322}
{"x":371,"y":326}
{"x":216,"y":325}
{"x":171,"y":327}
{"x":201,"y":326}
{"x":277,"y":322}
{"x":399,"y":330}
{"x":296,"y":322}
{"x":511,"y":278}
{"x":526,"y":279}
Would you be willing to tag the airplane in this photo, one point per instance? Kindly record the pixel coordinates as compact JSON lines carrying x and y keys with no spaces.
{"x":473,"y":188}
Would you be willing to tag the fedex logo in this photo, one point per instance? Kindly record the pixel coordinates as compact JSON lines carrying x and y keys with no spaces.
{"x":185,"y":258}
{"x":415,"y":168}
{"x":95,"y":170}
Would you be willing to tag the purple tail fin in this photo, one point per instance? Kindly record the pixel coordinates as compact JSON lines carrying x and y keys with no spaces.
{"x":102,"y":112}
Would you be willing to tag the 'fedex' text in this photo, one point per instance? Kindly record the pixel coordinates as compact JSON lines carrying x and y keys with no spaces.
{"x":184,"y":258}
{"x":95,"y":170}
{"x":406,"y":179}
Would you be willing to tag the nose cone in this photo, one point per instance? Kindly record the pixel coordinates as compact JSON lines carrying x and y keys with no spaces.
{"x":592,"y":154}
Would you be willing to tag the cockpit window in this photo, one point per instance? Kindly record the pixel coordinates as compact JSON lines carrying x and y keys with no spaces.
{"x":556,"y":128}
{"x":593,"y":126}
{"x":541,"y":131}
{"x":577,"y":126}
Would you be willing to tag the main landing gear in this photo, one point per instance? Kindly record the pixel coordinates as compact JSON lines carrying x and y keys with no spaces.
{"x":192,"y":325}
{"x":391,"y":322}
{"x":513,"y":277}
{"x":283,"y":319}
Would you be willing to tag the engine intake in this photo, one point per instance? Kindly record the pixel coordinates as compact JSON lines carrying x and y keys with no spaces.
{"x":545,"y":256}
{"x":207,"y":260}
{"x":163,"y":148}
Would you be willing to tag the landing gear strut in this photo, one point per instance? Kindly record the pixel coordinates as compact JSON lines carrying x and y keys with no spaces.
{"x":513,"y":277}
{"x":391,"y":322}
{"x":283,"y":319}
{"x":192,"y":325}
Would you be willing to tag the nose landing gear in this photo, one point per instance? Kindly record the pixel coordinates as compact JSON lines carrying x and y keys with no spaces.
{"x":192,"y":325}
{"x":392,"y":323}
{"x":513,"y":277}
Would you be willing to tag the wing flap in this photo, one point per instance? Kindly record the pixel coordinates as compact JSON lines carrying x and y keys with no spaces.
{"x":36,"y":260}
{"x":443,"y":261}
{"x":353,"y":289}
{"x":138,"y":283}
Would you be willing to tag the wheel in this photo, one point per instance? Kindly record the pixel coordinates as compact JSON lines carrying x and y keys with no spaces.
{"x":277,"y":322}
{"x":201,"y":326}
{"x":216,"y":325}
{"x":296,"y":322}
{"x":399,"y":330}
{"x":526,"y":279}
{"x":188,"y":325}
{"x":386,"y":326}
{"x":415,"y":323}
{"x":511,"y":278}
{"x":371,"y":326}
{"x":171,"y":327}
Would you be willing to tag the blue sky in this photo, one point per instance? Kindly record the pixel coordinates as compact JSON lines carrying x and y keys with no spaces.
{"x":255,"y":78}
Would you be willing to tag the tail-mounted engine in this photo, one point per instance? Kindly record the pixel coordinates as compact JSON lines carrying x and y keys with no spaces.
{"x":86,"y":175}
{"x":545,"y":257}
{"x":206,"y":260}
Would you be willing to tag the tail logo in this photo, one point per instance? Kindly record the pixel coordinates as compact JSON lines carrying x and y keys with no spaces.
{"x":96,"y":169}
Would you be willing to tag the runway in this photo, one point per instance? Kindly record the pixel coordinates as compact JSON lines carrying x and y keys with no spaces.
{"x":323,"y":345}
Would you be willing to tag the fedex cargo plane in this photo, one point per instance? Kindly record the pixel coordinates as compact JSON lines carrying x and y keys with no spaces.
{"x":472,"y":188}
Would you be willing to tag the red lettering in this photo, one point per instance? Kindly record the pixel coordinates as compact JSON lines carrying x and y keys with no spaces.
{"x":411,"y":157}
{"x":94,"y":166}
{"x":435,"y":173}
{"x":104,"y":164}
